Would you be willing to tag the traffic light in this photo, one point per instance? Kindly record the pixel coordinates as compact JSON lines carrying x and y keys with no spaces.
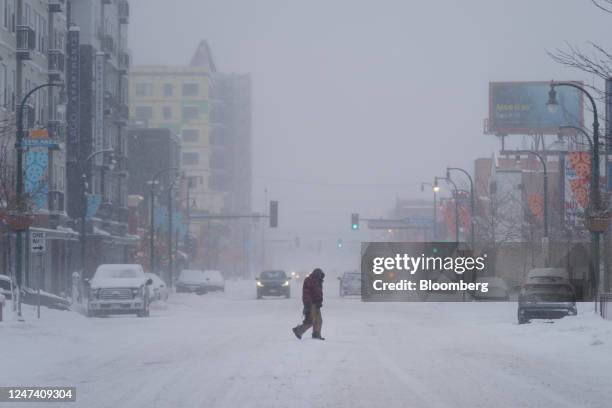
{"x":340,"y":243}
{"x":273,"y":214}
{"x":354,"y":221}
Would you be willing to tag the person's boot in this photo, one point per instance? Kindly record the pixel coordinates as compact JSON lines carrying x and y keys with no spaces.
{"x":317,"y":336}
{"x":296,"y":331}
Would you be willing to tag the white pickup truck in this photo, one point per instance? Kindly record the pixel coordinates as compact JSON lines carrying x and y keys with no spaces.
{"x":119,"y":289}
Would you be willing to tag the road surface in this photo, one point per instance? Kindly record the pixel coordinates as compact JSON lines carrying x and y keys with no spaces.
{"x":231,"y":350}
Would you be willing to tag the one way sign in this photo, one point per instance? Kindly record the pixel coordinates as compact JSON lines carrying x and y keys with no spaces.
{"x":38,"y":242}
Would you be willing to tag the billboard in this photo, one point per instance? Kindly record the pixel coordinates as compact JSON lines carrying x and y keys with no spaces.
{"x":520,"y":108}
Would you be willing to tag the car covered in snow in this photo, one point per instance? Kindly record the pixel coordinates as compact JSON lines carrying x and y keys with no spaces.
{"x":119,"y":289}
{"x":273,"y":283}
{"x":5,"y":286}
{"x":350,"y":283}
{"x":191,"y":280}
{"x":546,"y":298}
{"x":214,"y":281}
{"x":159,"y":289}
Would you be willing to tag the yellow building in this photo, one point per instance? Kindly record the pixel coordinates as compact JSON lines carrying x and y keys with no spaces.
{"x":178,"y":98}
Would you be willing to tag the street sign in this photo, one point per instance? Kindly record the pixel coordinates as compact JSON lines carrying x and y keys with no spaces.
{"x":39,"y":143}
{"x":38,"y":242}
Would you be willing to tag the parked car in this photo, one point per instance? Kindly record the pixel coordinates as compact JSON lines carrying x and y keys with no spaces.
{"x":553,"y":274}
{"x":214,"y":281}
{"x":119,"y":289}
{"x":191,"y":280}
{"x":350,"y":283}
{"x":546,"y":298}
{"x":5,"y":287}
{"x":273,"y":283}
{"x":497,"y":289}
{"x":159,"y":289}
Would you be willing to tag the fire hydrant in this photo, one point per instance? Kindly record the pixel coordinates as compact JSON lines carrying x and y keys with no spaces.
{"x":2,"y":300}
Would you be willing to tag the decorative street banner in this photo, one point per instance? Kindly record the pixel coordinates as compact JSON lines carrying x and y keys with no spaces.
{"x":93,"y":203}
{"x":73,"y":85}
{"x":577,"y":182}
{"x":520,"y":108}
{"x":37,"y":162}
{"x":98,"y":130}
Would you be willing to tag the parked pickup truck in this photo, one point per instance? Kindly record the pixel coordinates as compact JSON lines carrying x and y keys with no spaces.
{"x":119,"y":289}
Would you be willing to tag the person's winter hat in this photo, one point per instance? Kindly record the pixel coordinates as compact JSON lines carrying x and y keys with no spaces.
{"x":318,"y":273}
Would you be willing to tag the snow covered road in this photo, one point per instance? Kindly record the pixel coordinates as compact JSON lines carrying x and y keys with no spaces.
{"x":230,"y":350}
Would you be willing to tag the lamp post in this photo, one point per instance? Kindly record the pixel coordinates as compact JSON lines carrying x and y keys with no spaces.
{"x":595,"y":196}
{"x":435,"y":190}
{"x":456,"y":204}
{"x":152,"y":183}
{"x":19,"y":183}
{"x":84,"y":178}
{"x":472,"y":209}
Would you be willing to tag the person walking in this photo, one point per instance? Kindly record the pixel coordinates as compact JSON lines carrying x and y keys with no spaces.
{"x":312,"y":298}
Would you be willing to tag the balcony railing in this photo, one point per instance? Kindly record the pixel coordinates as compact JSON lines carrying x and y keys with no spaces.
{"x":57,"y":65}
{"x":26,"y":41}
{"x":123,"y":11}
{"x":108,"y":44}
{"x":124,"y":61}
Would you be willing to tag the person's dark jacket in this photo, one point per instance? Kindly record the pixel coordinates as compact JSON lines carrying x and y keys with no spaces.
{"x":312,"y":291}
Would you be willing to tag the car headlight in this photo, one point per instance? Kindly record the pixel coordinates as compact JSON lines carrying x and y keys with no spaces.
{"x":286,"y":283}
{"x":93,"y":293}
{"x":138,"y":291}
{"x":259,"y":284}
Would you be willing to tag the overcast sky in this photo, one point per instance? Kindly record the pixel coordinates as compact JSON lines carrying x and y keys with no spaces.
{"x":356,"y":102}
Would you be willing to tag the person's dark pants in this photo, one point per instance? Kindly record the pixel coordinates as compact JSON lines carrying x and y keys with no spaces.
{"x":311,"y":319}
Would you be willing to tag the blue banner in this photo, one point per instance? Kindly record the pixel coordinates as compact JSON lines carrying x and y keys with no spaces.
{"x":93,"y":203}
{"x":36,"y":183}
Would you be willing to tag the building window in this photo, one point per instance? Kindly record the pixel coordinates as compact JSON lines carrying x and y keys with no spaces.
{"x":144,"y":89}
{"x":191,"y":89}
{"x":191,"y":112}
{"x":167,"y":112}
{"x":168,"y":90}
{"x":191,"y":135}
{"x":144,"y":112}
{"x":190,"y":158}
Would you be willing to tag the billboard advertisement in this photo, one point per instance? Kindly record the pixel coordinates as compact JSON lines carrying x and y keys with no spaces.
{"x":520,"y":108}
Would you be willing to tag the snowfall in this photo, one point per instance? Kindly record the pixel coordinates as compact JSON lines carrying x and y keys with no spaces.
{"x":231,"y":350}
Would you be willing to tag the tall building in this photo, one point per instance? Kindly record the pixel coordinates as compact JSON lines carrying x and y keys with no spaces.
{"x":32,"y":55}
{"x":98,"y":149}
{"x":178,"y":98}
{"x":211,"y":111}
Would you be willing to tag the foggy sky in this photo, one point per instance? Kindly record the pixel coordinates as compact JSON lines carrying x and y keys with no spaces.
{"x":349,"y":94}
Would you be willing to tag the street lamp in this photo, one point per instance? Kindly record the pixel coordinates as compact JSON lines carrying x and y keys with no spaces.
{"x":456,"y":191}
{"x":472,"y":209}
{"x":594,"y":205}
{"x":19,"y":187}
{"x":84,"y":179}
{"x":539,"y":156}
{"x":435,"y":188}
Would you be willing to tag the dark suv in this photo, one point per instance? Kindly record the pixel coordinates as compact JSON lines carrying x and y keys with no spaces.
{"x":273,"y":283}
{"x":542,"y":298}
